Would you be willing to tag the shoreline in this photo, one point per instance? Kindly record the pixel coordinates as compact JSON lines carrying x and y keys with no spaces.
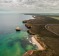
{"x":45,"y":41}
{"x":35,"y":42}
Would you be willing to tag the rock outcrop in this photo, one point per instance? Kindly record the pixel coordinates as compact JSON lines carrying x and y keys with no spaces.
{"x":28,"y":25}
{"x":18,"y":29}
{"x":25,"y":21}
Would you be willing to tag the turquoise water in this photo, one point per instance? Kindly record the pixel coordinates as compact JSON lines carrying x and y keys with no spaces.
{"x":13,"y":43}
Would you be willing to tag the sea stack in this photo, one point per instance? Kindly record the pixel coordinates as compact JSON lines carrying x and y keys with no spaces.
{"x":18,"y":29}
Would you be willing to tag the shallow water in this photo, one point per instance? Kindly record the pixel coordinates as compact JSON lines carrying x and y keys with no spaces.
{"x":13,"y":43}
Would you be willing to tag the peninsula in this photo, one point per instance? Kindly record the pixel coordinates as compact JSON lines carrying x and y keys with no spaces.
{"x":47,"y":35}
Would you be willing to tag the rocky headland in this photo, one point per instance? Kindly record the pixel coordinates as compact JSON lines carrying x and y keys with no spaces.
{"x":46,"y":28}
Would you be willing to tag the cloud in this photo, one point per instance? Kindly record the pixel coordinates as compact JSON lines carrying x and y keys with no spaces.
{"x":33,"y":4}
{"x":39,"y":3}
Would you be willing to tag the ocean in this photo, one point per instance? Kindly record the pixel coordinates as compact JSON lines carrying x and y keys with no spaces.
{"x":13,"y":43}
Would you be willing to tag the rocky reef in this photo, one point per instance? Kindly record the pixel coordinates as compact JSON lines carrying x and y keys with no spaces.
{"x":47,"y":29}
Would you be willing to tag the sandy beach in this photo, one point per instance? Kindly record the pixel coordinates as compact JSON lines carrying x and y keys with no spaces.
{"x":34,"y":41}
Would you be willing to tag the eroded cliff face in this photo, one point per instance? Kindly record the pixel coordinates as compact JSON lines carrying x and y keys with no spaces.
{"x":50,"y":39}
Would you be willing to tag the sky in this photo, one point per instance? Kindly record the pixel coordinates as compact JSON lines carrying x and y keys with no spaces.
{"x":39,"y":6}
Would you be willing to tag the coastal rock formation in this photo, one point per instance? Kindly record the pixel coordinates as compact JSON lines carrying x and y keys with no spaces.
{"x":30,"y":32}
{"x":18,"y":29}
{"x":38,"y":24}
{"x":28,"y":25}
{"x":30,"y":52}
{"x":42,"y":31}
{"x":50,"y":34}
{"x":25,"y":21}
{"x":47,"y":52}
